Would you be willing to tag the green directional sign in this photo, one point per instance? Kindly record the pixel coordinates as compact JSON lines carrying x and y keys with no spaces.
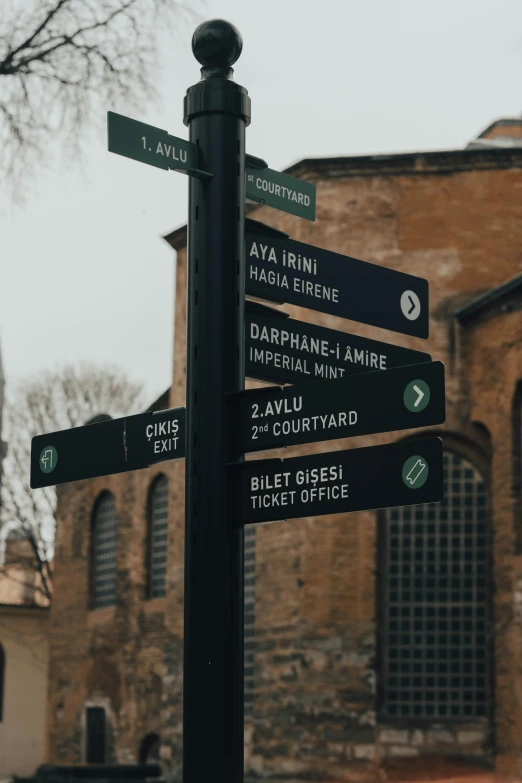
{"x":151,"y":145}
{"x":281,"y":191}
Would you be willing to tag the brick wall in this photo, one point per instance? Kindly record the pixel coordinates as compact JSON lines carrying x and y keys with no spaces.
{"x":313,"y":636}
{"x":117,"y":657}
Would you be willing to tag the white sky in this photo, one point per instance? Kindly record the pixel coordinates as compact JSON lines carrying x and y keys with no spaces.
{"x":84,"y":272}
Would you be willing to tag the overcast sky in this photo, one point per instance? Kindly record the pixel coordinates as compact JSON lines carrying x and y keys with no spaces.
{"x":85,"y":274}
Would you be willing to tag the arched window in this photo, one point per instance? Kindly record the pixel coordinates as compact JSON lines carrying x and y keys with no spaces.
{"x":149,"y":752}
{"x":249,"y":593}
{"x":157,"y":538}
{"x":517,"y":466}
{"x":104,"y":566}
{"x":2,"y":682}
{"x":434,"y":602}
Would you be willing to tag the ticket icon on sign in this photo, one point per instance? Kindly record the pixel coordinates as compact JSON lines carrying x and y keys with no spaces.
{"x":415,"y":472}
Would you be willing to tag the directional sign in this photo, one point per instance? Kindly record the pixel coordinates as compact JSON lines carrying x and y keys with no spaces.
{"x":283,"y":350}
{"x":404,"y":473}
{"x":107,"y":447}
{"x":282,"y":270}
{"x":281,"y":191}
{"x":356,"y":405}
{"x":151,"y":145}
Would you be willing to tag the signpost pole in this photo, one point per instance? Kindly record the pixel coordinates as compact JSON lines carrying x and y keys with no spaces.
{"x":216,"y":111}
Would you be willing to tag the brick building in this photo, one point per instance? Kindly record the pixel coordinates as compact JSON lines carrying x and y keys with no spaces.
{"x":373,"y":640}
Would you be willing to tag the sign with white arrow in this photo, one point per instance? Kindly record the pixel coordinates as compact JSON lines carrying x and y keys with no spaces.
{"x":398,"y":399}
{"x":281,"y":270}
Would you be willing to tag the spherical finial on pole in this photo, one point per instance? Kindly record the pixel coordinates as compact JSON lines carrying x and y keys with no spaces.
{"x":216,"y":44}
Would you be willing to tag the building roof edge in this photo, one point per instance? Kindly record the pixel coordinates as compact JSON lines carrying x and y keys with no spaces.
{"x":161,"y":402}
{"x":413,"y":163}
{"x":506,"y":122}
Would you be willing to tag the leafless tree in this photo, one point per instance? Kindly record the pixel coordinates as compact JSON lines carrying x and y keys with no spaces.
{"x":64,"y":63}
{"x":54,"y":400}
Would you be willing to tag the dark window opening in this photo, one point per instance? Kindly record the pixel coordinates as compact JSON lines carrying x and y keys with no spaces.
{"x":435,"y":602}
{"x":149,"y":752}
{"x":96,"y":735}
{"x":157,"y":538}
{"x":104,"y":551}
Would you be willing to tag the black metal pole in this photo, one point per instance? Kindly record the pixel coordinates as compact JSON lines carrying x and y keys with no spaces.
{"x":217,"y":111}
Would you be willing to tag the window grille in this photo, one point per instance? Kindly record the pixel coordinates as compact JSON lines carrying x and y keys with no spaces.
{"x":104,"y":552}
{"x":435,"y":601}
{"x":158,"y":532}
{"x":250,"y":602}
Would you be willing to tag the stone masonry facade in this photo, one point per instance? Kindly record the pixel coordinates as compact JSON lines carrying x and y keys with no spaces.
{"x":312,"y":638}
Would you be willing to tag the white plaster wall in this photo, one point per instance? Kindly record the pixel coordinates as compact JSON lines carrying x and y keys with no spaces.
{"x":24,"y":637}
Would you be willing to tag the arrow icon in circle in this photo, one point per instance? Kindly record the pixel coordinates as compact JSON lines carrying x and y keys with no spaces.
{"x":410,"y":305}
{"x":419,"y":398}
{"x":417,"y":395}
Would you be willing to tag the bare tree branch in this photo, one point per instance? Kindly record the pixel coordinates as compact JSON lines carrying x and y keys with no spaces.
{"x":55,"y":400}
{"x":52,"y":12}
{"x":63,"y":63}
